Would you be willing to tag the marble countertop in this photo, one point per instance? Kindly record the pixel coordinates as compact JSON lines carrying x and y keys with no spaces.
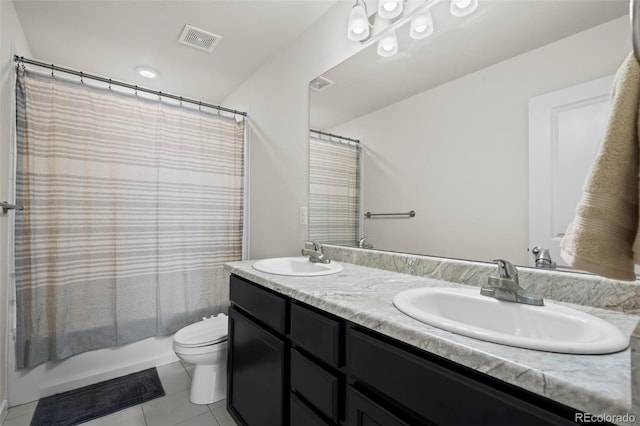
{"x":598,"y":384}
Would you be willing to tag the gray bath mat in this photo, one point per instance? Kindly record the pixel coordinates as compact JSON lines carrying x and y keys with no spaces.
{"x":93,"y":401}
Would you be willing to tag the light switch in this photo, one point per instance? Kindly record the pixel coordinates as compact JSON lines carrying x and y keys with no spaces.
{"x":304,"y":214}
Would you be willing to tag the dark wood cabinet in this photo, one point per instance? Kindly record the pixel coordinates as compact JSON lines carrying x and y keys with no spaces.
{"x":434,"y":394}
{"x":317,"y":334}
{"x":362,"y":411}
{"x":256,"y":365}
{"x":258,"y":356}
{"x":293,"y":364}
{"x":321,"y":388}
{"x":302,"y":415}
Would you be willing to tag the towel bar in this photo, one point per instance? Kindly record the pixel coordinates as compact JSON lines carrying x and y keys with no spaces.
{"x":369,"y":215}
{"x":6,"y":207}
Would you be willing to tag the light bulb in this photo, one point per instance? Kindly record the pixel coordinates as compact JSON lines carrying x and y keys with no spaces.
{"x":390,"y":5}
{"x":463,"y":7}
{"x":389,"y":9}
{"x":358,"y":28}
{"x":421,"y":26}
{"x":388,"y":45}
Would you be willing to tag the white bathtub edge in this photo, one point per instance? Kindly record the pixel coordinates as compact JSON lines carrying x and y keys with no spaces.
{"x":51,"y":378}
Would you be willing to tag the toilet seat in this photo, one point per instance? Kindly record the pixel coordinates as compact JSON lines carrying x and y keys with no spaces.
{"x":207,"y":332}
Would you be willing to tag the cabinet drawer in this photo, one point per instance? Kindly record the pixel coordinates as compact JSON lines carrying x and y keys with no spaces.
{"x":301,"y":415}
{"x":362,"y":411}
{"x":267,"y":307}
{"x":316,"y":333}
{"x":440,"y":395}
{"x":319,"y":387}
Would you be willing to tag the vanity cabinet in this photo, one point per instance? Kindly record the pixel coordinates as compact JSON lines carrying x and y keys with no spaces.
{"x":257,"y":362}
{"x":293,"y":364}
{"x":432,"y":392}
{"x":317,"y":358}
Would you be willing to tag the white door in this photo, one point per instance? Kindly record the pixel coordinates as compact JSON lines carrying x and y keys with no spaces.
{"x":566,"y":128}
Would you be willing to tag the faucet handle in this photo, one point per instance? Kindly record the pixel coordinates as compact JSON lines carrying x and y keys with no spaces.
{"x":506,"y":269}
{"x":316,"y":245}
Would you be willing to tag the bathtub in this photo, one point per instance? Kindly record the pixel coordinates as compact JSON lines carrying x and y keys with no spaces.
{"x":87,"y":368}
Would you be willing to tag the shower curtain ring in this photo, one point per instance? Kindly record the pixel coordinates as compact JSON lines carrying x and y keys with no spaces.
{"x":180,"y":100}
{"x":136,"y":90}
{"x":109,"y":84}
{"x":51,"y":70}
{"x":200,"y":106}
{"x":160,"y":96}
{"x":81,"y":77}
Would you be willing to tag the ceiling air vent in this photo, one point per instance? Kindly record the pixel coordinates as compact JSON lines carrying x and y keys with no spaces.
{"x":320,"y":83}
{"x":200,"y":39}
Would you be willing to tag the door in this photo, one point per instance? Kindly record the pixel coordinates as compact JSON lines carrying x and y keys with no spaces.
{"x":566,"y":128}
{"x":256,"y":365}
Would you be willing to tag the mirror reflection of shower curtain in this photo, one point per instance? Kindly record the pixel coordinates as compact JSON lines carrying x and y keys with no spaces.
{"x":132,"y":206}
{"x":334,"y":191}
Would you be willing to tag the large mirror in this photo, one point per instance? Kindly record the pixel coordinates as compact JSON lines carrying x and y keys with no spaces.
{"x":444,"y":128}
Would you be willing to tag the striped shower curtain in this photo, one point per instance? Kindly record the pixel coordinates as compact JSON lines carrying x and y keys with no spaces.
{"x":131,"y":208}
{"x":334,"y":191}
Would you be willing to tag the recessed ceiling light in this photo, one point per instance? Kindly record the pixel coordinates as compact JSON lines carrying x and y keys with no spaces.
{"x":147,"y":72}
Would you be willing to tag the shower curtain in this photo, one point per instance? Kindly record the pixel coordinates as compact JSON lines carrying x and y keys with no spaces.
{"x":131,"y":208}
{"x":334,"y":191}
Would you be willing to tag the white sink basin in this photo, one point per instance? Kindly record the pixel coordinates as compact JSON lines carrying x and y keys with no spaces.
{"x":299,"y":266}
{"x":551,"y":327}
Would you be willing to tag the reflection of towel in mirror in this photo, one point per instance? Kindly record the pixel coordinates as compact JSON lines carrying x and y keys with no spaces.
{"x":601,"y":237}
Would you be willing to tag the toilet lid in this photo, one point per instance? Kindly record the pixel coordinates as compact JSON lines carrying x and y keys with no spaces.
{"x":203,"y":333}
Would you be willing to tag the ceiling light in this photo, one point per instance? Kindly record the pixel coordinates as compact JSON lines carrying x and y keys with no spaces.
{"x":389,"y":9}
{"x":463,"y":7}
{"x":147,"y":72}
{"x":421,"y":26}
{"x":388,"y":45}
{"x":393,"y":15}
{"x":358,"y":28}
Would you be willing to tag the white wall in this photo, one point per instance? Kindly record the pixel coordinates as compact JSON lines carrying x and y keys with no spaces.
{"x":277,"y":99}
{"x":457,"y":154}
{"x":11,"y":37}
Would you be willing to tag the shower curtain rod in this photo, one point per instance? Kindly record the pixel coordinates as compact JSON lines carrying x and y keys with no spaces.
{"x":331,"y":135}
{"x":82,"y":75}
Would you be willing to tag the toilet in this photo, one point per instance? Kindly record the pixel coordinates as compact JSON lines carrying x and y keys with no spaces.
{"x":204,"y":344}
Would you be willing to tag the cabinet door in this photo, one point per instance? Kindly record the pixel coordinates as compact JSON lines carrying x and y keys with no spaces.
{"x":255,"y":367}
{"x":361,"y":411}
{"x":437,"y":393}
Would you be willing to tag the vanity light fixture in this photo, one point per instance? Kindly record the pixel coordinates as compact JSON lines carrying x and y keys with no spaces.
{"x":392,"y":15}
{"x":421,"y":26}
{"x":147,"y":72}
{"x":358,"y":22}
{"x":463,"y":7}
{"x":388,"y":45}
{"x":389,"y":9}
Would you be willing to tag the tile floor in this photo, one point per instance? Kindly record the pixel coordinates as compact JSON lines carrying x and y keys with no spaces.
{"x":170,"y":410}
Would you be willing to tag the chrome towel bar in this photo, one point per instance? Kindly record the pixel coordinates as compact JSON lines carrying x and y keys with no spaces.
{"x":369,"y":215}
{"x":6,"y":207}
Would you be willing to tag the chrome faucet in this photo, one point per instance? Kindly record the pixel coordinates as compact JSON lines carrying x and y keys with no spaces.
{"x":316,"y":255}
{"x":543,"y":258}
{"x":362,"y":243}
{"x":504,"y":285}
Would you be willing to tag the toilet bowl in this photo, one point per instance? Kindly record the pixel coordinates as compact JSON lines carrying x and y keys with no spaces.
{"x":204,"y":344}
